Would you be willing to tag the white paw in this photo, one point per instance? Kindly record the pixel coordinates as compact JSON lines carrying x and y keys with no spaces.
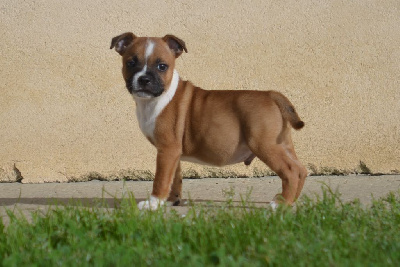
{"x":273,"y":205}
{"x":152,"y":203}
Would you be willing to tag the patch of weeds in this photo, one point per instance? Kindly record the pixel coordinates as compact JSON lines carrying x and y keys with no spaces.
{"x":87,"y":177}
{"x":132,"y":175}
{"x":191,"y":174}
{"x":364,"y":169}
{"x":313,"y":169}
{"x":123,"y":175}
{"x":229,"y":194}
{"x":262,"y":172}
{"x":211,"y":172}
{"x":10,"y":174}
{"x":323,"y":171}
{"x":395,"y":171}
{"x":334,"y":171}
{"x":217,"y":172}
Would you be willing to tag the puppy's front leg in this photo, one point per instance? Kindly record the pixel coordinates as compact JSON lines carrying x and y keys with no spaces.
{"x":176,"y":188}
{"x":167,"y":163}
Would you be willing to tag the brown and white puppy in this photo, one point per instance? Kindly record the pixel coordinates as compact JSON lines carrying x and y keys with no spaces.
{"x":185,"y":122}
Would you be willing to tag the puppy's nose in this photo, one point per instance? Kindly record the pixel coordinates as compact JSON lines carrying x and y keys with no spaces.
{"x":143,"y":80}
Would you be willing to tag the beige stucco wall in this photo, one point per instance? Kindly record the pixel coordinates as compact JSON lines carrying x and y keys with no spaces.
{"x":64,"y":110}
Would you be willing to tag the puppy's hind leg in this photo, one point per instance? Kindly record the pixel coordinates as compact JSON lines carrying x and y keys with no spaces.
{"x":303,"y":173}
{"x":278,"y":159}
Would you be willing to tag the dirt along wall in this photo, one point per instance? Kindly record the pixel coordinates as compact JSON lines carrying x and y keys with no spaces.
{"x":64,"y":111}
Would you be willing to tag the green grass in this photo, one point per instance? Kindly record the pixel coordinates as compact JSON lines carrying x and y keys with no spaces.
{"x":319,"y":232}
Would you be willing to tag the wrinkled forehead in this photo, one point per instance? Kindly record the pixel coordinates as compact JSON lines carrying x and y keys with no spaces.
{"x":150,"y":48}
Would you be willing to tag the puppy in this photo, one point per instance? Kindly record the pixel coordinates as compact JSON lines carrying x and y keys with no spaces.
{"x":185,"y":122}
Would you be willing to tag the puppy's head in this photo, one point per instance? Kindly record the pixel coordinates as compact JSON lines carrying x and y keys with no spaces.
{"x":147,"y":62}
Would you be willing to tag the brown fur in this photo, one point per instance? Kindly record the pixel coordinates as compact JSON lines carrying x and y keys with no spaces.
{"x":210,"y":125}
{"x":216,"y":127}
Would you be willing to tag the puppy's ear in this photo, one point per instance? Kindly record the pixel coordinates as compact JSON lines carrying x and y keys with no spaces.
{"x":175,"y":44}
{"x":121,"y":42}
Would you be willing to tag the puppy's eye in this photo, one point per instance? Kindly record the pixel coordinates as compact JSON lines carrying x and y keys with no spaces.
{"x":162,"y":67}
{"x":131,"y":63}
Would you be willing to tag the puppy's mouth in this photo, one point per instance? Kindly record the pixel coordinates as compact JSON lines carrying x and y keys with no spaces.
{"x":148,"y":89}
{"x":143,"y":93}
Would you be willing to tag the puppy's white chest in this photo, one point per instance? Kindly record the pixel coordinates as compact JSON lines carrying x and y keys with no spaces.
{"x":148,"y":110}
{"x":147,"y":115}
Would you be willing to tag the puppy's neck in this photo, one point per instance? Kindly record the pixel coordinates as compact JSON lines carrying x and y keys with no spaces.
{"x":148,"y":109}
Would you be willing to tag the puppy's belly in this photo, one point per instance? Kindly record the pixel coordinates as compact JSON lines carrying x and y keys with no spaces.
{"x":241,"y":153}
{"x":195,"y":160}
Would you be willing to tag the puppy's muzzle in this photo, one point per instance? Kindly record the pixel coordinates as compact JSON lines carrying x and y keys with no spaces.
{"x":148,"y":86}
{"x":144,"y":81}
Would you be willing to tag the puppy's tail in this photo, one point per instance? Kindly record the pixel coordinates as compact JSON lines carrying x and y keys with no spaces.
{"x":287,"y":109}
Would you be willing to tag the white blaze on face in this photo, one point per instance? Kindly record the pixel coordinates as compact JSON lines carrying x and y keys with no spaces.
{"x":149,"y":49}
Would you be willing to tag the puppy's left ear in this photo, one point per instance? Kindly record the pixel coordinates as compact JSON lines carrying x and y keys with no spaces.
{"x":175,"y":44}
{"x":121,"y":42}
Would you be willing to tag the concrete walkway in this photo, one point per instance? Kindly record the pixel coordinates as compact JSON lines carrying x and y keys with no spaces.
{"x":30,"y":197}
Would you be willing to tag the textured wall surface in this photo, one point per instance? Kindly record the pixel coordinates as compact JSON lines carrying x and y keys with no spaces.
{"x":64,"y":110}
